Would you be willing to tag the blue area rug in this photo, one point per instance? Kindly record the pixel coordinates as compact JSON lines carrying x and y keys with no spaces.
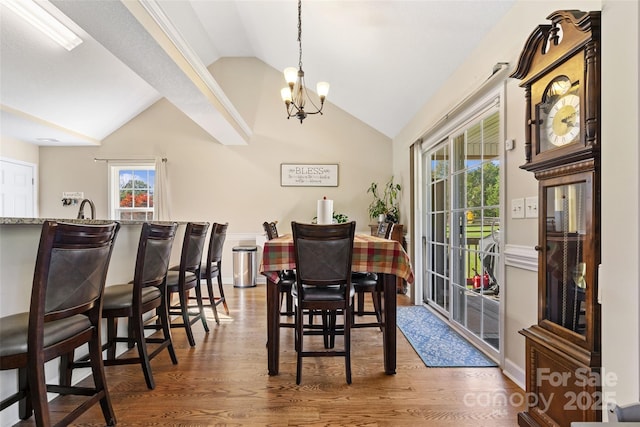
{"x":437,"y":344}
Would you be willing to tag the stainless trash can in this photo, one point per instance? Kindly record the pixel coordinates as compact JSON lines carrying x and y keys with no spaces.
{"x":244,"y":266}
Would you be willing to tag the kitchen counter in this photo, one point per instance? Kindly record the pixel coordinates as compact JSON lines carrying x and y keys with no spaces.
{"x":40,"y":221}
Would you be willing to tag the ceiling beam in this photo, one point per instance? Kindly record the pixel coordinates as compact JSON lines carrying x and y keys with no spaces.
{"x":139,"y":34}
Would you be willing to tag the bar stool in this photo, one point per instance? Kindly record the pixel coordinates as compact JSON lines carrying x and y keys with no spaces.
{"x":146,"y":293}
{"x":186,"y":278}
{"x":287,"y":279}
{"x":323,"y":255}
{"x":66,"y":297}
{"x":212,"y":268}
{"x":368,"y":282}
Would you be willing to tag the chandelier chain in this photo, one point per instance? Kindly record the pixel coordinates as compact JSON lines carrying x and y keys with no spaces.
{"x":300,"y":33}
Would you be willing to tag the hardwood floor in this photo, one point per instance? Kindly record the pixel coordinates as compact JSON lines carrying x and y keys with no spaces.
{"x":223,"y":381}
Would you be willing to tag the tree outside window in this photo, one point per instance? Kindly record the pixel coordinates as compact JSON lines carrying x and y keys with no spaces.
{"x":135,"y":189}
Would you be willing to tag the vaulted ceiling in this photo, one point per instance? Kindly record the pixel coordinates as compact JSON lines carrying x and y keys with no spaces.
{"x":383,"y":58}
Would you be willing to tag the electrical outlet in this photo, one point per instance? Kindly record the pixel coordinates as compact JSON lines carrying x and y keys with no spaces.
{"x":517,"y":208}
{"x":531,"y":207}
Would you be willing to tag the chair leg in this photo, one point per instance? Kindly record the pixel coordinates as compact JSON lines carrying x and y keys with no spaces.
{"x":289,"y":303}
{"x":299,"y":348}
{"x":112,"y":333}
{"x":212,"y":299}
{"x":97,"y":368}
{"x":137,"y":329}
{"x":221,"y":289}
{"x":360,"y":301}
{"x":334,"y":326}
{"x":130,"y":342}
{"x":326,"y":329}
{"x":65,"y":369}
{"x":25,"y":409}
{"x":347,"y":343}
{"x":329,"y":324}
{"x":186,"y":321}
{"x":163,"y":317}
{"x":38,"y":390}
{"x":203,"y":318}
{"x":377,"y":306}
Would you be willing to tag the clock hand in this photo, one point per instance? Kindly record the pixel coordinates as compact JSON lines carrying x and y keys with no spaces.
{"x":569,"y":121}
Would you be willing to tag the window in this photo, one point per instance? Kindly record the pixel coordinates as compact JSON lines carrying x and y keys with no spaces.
{"x":131,"y":191}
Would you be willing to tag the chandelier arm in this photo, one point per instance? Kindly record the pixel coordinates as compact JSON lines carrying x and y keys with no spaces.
{"x":314,"y":105}
{"x":296,"y":106}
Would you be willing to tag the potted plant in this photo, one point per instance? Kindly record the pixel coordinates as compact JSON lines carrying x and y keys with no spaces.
{"x":385,"y":201}
{"x":338,"y":218}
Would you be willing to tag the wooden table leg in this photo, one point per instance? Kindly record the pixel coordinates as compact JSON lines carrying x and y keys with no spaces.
{"x":389,"y":313}
{"x":273,"y":328}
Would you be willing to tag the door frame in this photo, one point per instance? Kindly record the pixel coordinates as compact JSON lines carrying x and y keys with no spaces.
{"x":463,"y":112}
{"x":34,"y":174}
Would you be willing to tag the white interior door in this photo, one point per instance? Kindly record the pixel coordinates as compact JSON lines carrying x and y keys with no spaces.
{"x":17,"y":189}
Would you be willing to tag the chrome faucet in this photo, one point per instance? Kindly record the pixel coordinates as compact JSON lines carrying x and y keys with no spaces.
{"x":81,"y":210}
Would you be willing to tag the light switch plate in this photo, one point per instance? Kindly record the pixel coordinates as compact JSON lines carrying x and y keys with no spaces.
{"x":531,"y":207}
{"x":517,"y":208}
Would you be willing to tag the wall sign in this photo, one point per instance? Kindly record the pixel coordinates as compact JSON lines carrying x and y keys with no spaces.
{"x":302,"y":175}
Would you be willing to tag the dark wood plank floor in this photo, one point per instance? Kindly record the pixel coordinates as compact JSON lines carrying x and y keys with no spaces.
{"x":223,"y":381}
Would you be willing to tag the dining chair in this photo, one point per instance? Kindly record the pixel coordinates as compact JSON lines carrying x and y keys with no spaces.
{"x":367,"y":283}
{"x":324,"y":255}
{"x":146,"y":293}
{"x":187,"y":278}
{"x":212,"y":268}
{"x":286,"y":280}
{"x":66,"y":298}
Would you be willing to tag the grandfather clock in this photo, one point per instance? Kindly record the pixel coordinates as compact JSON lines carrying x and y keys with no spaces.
{"x":560,"y":72}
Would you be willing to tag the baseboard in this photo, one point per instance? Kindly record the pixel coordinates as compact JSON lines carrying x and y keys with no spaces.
{"x":515,"y":373}
{"x":260,"y":280}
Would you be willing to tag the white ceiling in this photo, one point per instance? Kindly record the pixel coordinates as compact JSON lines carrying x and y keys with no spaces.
{"x":383,"y":58}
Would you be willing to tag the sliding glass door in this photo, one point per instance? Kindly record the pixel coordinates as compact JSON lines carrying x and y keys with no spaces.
{"x":461,"y":192}
{"x":437,"y":248}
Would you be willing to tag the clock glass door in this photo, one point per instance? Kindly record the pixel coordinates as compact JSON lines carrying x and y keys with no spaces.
{"x":566,"y":242}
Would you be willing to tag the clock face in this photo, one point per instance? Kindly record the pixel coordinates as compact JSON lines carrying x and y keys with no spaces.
{"x":558,"y":114}
{"x":562,"y":125}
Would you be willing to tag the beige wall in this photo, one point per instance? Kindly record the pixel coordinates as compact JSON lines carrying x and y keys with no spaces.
{"x":18,"y":150}
{"x":620,"y":200}
{"x":238,"y":184}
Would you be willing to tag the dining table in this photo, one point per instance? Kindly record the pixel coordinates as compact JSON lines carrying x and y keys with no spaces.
{"x":385,"y":257}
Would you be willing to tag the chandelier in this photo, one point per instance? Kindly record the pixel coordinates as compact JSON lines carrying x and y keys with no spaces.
{"x":295,"y":95}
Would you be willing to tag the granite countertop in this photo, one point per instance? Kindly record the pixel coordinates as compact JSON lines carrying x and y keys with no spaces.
{"x":40,"y":221}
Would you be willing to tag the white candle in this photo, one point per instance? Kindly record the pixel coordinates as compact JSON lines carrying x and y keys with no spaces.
{"x":325,"y":211}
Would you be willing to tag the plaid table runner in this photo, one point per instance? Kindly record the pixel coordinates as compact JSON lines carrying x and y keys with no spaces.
{"x":370,"y":253}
